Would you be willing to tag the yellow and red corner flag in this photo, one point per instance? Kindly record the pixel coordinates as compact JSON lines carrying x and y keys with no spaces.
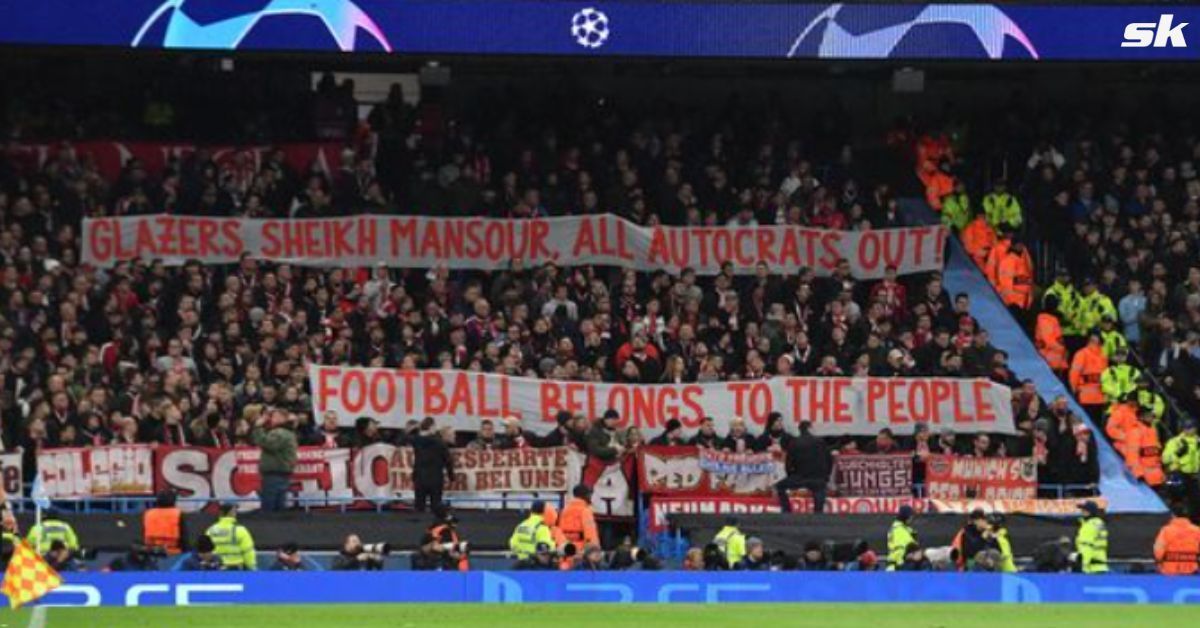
{"x":28,"y":577}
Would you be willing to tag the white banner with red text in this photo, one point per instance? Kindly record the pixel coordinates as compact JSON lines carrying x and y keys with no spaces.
{"x":330,"y":477}
{"x":879,"y":475}
{"x":480,"y":243}
{"x":97,"y":471}
{"x":966,"y":478}
{"x":835,"y":406}
{"x":663,"y":506}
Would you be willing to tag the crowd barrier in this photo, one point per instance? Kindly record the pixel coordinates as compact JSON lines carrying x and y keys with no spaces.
{"x":184,"y":589}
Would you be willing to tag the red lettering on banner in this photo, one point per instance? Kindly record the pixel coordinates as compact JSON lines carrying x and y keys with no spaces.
{"x":893,"y":247}
{"x":410,"y":379}
{"x":789,"y":251}
{"x":918,"y":235}
{"x":984,"y":411}
{"x":431,"y":242}
{"x":895,"y":403}
{"x":354,"y":391}
{"x":367,"y":233}
{"x":956,"y":405}
{"x":741,"y":241}
{"x":942,"y":390}
{"x":101,"y":243}
{"x":434,"y":387}
{"x":919,"y":408}
{"x":658,"y":252}
{"x":460,"y":398}
{"x":739,"y":390}
{"x":868,"y":249}
{"x":585,"y":240}
{"x":876,"y":390}
{"x":831,"y":249}
{"x":382,"y":404}
{"x":765,"y":245}
{"x":702,"y":234}
{"x":692,"y":398}
{"x":403,"y":233}
{"x":539,"y":231}
{"x":272,"y":247}
{"x":325,"y":388}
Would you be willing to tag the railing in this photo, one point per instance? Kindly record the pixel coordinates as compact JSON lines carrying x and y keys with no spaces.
{"x":133,"y":504}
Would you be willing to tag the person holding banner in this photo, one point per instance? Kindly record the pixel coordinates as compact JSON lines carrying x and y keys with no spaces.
{"x":603,"y":446}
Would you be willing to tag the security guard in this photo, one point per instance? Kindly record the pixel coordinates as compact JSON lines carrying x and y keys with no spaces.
{"x":956,"y":208}
{"x":1067,"y":298}
{"x":162,"y":526}
{"x":232,"y":542}
{"x":899,"y":537}
{"x":1177,"y":547}
{"x":531,"y":532}
{"x":1143,"y":450}
{"x":52,"y":529}
{"x":1000,"y":532}
{"x":1111,"y":338}
{"x":1002,"y":208}
{"x":1048,"y":337}
{"x":1092,"y":540}
{"x":1092,"y":307}
{"x":1087,"y":368}
{"x":1120,"y":378}
{"x":731,"y":542}
{"x":1148,"y":398}
{"x":979,"y":239}
{"x":1181,"y":458}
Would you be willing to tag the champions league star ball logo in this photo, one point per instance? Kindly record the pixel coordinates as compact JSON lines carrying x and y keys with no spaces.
{"x":912,"y":31}
{"x":589,"y":27}
{"x":193,"y":23}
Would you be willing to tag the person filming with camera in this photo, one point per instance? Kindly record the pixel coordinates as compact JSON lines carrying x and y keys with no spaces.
{"x":358,"y":556}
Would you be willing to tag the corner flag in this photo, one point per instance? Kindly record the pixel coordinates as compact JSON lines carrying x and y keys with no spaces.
{"x":28,"y":577}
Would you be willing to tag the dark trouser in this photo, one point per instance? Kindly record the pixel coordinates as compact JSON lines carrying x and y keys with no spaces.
{"x":429,"y":494}
{"x":274,"y":491}
{"x":816,"y":487}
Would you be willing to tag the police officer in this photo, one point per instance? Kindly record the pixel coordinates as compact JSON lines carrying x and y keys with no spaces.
{"x":163,"y":526}
{"x":731,"y":541}
{"x":1091,"y":542}
{"x":1120,"y":378}
{"x":1001,"y":208}
{"x":1181,"y":458}
{"x":1146,"y":397}
{"x":1111,"y":339}
{"x":900,"y":536}
{"x":52,"y":529}
{"x":529,"y":533}
{"x":999,"y":533}
{"x":232,"y":542}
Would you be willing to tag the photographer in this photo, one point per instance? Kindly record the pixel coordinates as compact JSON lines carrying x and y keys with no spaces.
{"x":288,"y":558}
{"x":61,"y":558}
{"x":203,"y":558}
{"x":454,"y":548}
{"x":357,"y":556}
{"x":139,"y":558}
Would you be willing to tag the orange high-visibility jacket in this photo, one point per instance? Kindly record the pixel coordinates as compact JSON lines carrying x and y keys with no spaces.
{"x":1121,"y":417}
{"x":937,"y":185}
{"x":1015,"y":277}
{"x":1177,"y":548}
{"x":1049,"y":340}
{"x":1086,"y":368}
{"x":551,"y":519}
{"x":578,"y":523}
{"x":991,"y":265}
{"x":1143,"y":454}
{"x":978,"y":238}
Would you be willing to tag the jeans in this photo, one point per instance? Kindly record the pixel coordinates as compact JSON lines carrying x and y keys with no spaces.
{"x":274,"y":491}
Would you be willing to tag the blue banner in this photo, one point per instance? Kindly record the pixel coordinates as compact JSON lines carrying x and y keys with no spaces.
{"x":619,"y":28}
{"x":183,"y":588}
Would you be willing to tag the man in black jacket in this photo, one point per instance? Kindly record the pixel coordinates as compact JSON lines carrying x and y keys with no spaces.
{"x":432,"y":467}
{"x":808,"y":466}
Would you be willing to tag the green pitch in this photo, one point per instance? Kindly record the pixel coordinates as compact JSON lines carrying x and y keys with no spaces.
{"x":611,"y":616}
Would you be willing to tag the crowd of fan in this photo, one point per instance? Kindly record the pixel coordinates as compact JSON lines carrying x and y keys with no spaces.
{"x":191,"y":355}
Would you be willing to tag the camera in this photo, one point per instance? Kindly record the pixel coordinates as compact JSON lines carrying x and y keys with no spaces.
{"x":382,"y":549}
{"x":460,"y":547}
